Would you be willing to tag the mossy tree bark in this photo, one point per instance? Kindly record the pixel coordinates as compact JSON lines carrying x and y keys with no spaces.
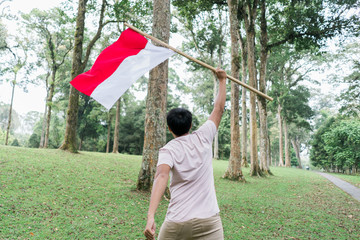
{"x":78,"y":66}
{"x":233,"y":171}
{"x":249,"y":11}
{"x":244,"y":124}
{"x":155,"y":117}
{"x":281,"y":138}
{"x":262,"y":104}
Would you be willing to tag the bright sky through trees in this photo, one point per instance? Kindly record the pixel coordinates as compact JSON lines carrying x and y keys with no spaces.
{"x":34,"y":99}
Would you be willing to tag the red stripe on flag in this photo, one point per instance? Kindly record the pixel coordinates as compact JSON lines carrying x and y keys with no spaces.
{"x":129,"y":43}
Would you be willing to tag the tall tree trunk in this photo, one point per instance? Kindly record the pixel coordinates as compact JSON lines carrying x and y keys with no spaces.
{"x":42,"y":138}
{"x":49,"y":106}
{"x":108,"y":133}
{"x":296,"y":145}
{"x":281,"y":146}
{"x":286,"y":143}
{"x":78,"y":67}
{"x":116,"y":130}
{"x":249,"y":10}
{"x":269,"y":153}
{"x":244,"y":162}
{"x":233,"y":171}
{"x":69,"y":143}
{"x":262,"y":104}
{"x":10,"y":111}
{"x":43,"y":127}
{"x":155,"y":117}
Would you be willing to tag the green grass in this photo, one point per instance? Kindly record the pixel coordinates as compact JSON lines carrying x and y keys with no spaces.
{"x":51,"y":194}
{"x":353,"y":179}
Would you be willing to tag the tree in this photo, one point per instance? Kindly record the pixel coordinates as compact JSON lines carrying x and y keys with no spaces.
{"x":248,"y":11}
{"x":350,"y":97}
{"x":342,"y":144}
{"x":287,"y":69}
{"x":78,"y":66}
{"x":234,"y":169}
{"x":54,"y":30}
{"x":14,"y":65}
{"x":155,"y":122}
{"x":335,"y":145}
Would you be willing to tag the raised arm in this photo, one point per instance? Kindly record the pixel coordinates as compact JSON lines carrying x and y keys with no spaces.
{"x":219,"y":103}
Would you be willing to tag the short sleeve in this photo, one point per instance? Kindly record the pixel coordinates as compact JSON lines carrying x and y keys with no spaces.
{"x":165,"y":158}
{"x":207,"y":131}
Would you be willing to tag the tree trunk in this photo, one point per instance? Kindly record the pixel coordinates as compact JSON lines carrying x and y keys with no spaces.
{"x":108,"y":133}
{"x":269,"y":153}
{"x":116,"y":130}
{"x":234,"y":168}
{"x":78,"y":67}
{"x":262,"y":105}
{"x":249,"y":11}
{"x":155,"y":117}
{"x":244,"y":162}
{"x":10,"y":111}
{"x":287,"y":147}
{"x":296,"y":145}
{"x":42,"y":138}
{"x":281,"y":147}
{"x":49,"y":105}
{"x":69,"y":143}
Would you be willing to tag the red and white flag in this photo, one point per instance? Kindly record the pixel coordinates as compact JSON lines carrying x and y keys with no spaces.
{"x":119,"y":66}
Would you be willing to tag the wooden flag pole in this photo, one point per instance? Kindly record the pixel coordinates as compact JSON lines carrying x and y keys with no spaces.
{"x":198,"y":61}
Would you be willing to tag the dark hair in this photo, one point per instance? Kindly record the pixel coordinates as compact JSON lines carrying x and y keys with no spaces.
{"x":179,"y":121}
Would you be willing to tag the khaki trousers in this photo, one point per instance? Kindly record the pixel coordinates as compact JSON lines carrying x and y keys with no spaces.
{"x":208,"y":228}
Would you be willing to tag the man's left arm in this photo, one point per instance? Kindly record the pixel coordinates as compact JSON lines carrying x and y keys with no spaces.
{"x":158,"y":189}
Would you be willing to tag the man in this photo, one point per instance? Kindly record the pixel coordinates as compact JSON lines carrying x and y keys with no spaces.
{"x":193,"y":211}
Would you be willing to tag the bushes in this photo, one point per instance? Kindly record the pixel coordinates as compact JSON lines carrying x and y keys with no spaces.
{"x":336,"y":146}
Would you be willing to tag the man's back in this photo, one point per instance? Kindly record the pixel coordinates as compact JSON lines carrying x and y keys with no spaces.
{"x":192,"y":182}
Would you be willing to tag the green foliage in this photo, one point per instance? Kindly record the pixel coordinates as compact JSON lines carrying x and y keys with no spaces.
{"x":225,"y":136}
{"x":48,"y":193}
{"x":350,"y":97}
{"x":343,"y":143}
{"x":131,"y":135}
{"x":15,"y":143}
{"x":34,"y":141}
{"x":336,"y":144}
{"x":293,"y":159}
{"x":306,"y":24}
{"x":91,"y":119}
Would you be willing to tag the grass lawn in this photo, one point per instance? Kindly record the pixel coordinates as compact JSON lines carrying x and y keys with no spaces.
{"x":51,"y":194}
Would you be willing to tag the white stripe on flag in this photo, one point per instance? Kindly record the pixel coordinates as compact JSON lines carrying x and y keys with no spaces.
{"x":131,"y":69}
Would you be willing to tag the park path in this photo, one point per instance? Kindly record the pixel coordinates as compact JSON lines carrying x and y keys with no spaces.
{"x":345,"y":186}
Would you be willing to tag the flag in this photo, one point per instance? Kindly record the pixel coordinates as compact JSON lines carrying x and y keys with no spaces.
{"x":119,"y":66}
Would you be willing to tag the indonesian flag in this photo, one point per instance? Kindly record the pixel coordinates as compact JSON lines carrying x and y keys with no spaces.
{"x":119,"y":66}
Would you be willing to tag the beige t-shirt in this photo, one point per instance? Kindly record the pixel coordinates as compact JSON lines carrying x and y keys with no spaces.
{"x":191,"y":175}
